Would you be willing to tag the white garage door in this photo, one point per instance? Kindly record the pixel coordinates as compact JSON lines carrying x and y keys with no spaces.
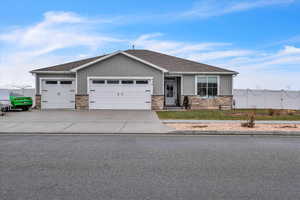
{"x":120,"y":94}
{"x":58,"y":94}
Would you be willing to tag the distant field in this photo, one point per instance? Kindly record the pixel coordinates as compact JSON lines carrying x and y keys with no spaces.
{"x":239,"y":114}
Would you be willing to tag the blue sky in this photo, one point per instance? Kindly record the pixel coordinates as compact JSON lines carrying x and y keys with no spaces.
{"x":258,"y":38}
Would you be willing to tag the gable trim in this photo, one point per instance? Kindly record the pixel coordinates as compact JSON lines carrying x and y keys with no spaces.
{"x":116,"y":53}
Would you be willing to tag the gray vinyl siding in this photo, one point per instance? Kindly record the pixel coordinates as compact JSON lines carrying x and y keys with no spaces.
{"x":38,"y":76}
{"x":226,"y":85}
{"x":188,"y":85}
{"x":120,"y":65}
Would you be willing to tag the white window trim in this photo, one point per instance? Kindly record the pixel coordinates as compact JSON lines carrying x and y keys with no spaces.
{"x":206,"y":76}
{"x":58,"y":79}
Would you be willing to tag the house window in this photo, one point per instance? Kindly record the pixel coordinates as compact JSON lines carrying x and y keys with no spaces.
{"x":127,"y":81}
{"x":98,"y":81}
{"x":141,"y":82}
{"x":66,"y":82}
{"x":207,"y":86}
{"x":113,"y":81}
{"x":51,"y":82}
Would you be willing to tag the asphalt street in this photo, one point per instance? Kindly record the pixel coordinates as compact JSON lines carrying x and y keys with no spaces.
{"x":136,"y":167}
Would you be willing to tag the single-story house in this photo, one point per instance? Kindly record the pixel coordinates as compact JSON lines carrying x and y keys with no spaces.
{"x":133,"y":79}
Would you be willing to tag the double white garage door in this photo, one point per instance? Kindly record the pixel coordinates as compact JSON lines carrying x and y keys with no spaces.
{"x":122,"y":94}
{"x":104,"y":93}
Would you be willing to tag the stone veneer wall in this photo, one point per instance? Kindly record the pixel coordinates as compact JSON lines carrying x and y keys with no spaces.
{"x":158,"y":102}
{"x":38,"y":99}
{"x":82,"y":102}
{"x":198,"y":103}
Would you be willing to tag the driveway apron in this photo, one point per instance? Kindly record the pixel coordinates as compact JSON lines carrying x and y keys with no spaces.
{"x":97,"y":121}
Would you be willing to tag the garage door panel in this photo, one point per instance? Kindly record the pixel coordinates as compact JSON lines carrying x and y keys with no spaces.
{"x":120,"y":96}
{"x":58,"y":96}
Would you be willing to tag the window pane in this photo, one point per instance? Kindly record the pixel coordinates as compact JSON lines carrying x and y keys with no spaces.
{"x":51,"y":82}
{"x":212,"y":80}
{"x":112,"y":81}
{"x":212,"y":92}
{"x":141,"y":82}
{"x":170,"y":90}
{"x":202,"y":80}
{"x":202,"y":92}
{"x":202,"y":85}
{"x":202,"y":89}
{"x":66,"y":82}
{"x":127,"y":81}
{"x":215,"y":92}
{"x":98,"y":81}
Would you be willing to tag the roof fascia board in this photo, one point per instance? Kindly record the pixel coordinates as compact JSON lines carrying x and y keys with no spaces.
{"x":52,"y":72}
{"x":113,"y":54}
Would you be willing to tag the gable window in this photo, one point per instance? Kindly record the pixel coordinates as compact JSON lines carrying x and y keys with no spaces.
{"x":207,"y":86}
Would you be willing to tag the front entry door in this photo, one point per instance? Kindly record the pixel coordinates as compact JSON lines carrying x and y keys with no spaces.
{"x":171,"y":92}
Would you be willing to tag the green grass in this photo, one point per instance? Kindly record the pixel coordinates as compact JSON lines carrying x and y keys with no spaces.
{"x":240,"y":114}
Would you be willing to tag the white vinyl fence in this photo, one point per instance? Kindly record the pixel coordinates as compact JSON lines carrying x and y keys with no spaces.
{"x":276,"y":99}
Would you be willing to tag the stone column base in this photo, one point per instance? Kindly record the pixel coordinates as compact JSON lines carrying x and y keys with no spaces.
{"x":158,"y":102}
{"x":82,"y":101}
{"x":38,"y":99}
{"x":198,"y":103}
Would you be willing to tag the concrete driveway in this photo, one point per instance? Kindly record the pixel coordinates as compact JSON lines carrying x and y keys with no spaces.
{"x":104,"y":121}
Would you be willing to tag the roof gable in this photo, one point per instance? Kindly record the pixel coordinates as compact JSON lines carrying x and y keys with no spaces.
{"x":116,"y":53}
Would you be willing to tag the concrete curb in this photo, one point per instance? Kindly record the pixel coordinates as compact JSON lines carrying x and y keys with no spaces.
{"x":233,"y":133}
{"x":172,"y":133}
{"x":227,"y":121}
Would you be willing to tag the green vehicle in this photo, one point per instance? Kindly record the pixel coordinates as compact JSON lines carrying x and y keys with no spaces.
{"x":19,"y":101}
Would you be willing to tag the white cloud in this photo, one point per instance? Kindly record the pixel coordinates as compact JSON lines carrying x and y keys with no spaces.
{"x":269,"y":70}
{"x":211,"y":8}
{"x":153,"y":42}
{"x":64,"y":36}
{"x":216,"y":55}
{"x":32,"y":46}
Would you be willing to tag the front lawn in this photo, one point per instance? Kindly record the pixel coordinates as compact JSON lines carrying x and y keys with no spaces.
{"x":239,"y":114}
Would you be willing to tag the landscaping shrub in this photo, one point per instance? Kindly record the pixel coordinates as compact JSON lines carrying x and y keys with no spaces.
{"x":251,"y":121}
{"x":271,"y":112}
{"x":186,"y":102}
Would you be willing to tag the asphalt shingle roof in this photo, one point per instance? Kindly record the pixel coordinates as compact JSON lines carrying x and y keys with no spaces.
{"x":174,"y":64}
{"x":68,"y":66}
{"x":170,"y":63}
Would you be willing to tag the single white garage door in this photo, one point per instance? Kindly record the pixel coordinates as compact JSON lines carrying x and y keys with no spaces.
{"x":58,"y":94}
{"x":120,"y":94}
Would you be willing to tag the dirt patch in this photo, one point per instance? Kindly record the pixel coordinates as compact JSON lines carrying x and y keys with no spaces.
{"x":232,"y":127}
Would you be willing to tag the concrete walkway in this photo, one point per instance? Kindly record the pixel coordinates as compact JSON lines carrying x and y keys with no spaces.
{"x":104,"y":121}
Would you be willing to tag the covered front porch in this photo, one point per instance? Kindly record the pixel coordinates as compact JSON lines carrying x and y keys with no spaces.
{"x":173,"y":92}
